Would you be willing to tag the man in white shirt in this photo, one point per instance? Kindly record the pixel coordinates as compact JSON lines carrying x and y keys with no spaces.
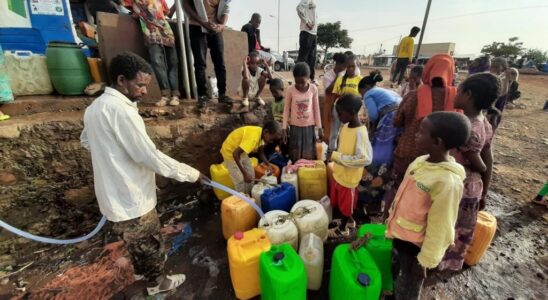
{"x":308,"y":36}
{"x":125,"y":161}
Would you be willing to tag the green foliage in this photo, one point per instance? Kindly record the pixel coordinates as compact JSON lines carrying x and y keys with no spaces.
{"x":511,"y":50}
{"x":331,"y":35}
{"x":536,"y":55}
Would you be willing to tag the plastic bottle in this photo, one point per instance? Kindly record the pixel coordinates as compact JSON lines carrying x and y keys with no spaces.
{"x":280,"y":228}
{"x":310,"y":217}
{"x":380,"y":249}
{"x":282,"y":274}
{"x":244,"y":250}
{"x":281,"y":197}
{"x":311,"y":252}
{"x":292,"y":179}
{"x":313,"y":182}
{"x":354,"y":275}
{"x":485,"y":230}
{"x":237,"y":215}
{"x":261,"y":170}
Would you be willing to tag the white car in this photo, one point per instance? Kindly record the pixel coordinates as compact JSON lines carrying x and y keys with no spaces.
{"x":279,"y":64}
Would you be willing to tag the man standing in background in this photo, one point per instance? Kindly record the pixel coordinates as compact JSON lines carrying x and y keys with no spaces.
{"x":308,"y":36}
{"x":405,"y":54}
{"x":207,"y":21}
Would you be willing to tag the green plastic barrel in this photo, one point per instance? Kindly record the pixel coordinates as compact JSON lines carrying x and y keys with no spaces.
{"x":354,"y":275}
{"x":381,"y":249}
{"x":282,"y":274}
{"x":68,"y":68}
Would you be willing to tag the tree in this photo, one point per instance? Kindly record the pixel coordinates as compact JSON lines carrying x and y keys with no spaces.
{"x":330,"y":35}
{"x":536,"y":55}
{"x":511,"y":50}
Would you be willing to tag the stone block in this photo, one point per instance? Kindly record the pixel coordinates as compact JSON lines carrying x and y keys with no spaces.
{"x":79,"y":197}
{"x":7,"y":178}
{"x":160,"y":132}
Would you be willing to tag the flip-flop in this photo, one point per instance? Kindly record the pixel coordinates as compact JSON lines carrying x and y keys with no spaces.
{"x":176,"y":280}
{"x":4,"y":117}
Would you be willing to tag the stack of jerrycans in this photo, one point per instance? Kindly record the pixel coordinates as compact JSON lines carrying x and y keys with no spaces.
{"x":244,"y":249}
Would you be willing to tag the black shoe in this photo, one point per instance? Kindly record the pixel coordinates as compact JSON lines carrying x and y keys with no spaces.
{"x":202,"y":101}
{"x":225,"y":99}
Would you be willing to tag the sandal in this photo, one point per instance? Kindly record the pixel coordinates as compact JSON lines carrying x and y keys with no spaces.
{"x":351,"y":224}
{"x":542,"y":201}
{"x":338,"y":233}
{"x":163,"y":102}
{"x":175,"y":281}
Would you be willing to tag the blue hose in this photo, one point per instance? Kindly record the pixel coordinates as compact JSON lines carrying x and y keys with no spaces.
{"x":103,"y":220}
{"x":36,"y":238}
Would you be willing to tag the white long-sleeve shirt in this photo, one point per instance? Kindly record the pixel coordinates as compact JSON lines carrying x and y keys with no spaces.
{"x":125,"y":159}
{"x":307,"y":13}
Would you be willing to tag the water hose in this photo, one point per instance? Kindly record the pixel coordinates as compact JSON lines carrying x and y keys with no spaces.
{"x":36,"y":238}
{"x":237,"y":194}
{"x":103,"y":220}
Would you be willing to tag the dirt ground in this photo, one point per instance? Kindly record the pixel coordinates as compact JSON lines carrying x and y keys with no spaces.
{"x":515,"y":267}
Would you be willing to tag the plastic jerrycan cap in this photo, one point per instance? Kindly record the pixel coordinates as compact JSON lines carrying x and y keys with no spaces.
{"x":363,"y":279}
{"x":238,"y":235}
{"x":278,"y":257}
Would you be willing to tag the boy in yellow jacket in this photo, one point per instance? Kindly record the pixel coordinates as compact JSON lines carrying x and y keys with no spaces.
{"x":423,"y":215}
{"x":353,"y":153}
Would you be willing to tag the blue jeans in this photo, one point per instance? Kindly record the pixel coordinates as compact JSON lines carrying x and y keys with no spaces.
{"x":165,"y":64}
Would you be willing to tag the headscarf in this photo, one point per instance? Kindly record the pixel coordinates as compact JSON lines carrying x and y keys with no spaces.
{"x":439,"y":66}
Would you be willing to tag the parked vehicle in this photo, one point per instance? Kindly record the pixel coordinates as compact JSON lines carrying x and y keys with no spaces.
{"x":279,"y":64}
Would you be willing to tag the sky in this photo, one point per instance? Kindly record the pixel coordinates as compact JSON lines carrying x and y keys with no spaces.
{"x":470,"y":24}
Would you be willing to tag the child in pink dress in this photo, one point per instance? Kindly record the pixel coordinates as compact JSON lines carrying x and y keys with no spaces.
{"x":301,"y":116}
{"x":476,"y":94}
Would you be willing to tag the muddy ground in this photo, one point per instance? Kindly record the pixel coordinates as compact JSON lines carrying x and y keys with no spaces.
{"x":515,"y":267}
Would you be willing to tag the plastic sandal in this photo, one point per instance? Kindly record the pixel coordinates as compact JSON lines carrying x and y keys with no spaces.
{"x":351,"y":224}
{"x":4,"y":117}
{"x":176,"y":280}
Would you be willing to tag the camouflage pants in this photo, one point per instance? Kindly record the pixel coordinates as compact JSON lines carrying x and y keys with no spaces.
{"x":236,"y":175}
{"x":145,"y":244}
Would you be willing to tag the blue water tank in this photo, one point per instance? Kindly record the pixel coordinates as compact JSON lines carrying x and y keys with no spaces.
{"x":31,"y":24}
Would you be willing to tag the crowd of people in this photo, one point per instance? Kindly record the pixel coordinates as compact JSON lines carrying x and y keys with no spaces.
{"x":424,"y":152}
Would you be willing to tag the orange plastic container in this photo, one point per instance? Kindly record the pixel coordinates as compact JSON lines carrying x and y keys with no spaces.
{"x":481,"y":240}
{"x":96,"y":70}
{"x":244,"y":250}
{"x":261,"y":169}
{"x":237,"y":215}
{"x":319,"y":151}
